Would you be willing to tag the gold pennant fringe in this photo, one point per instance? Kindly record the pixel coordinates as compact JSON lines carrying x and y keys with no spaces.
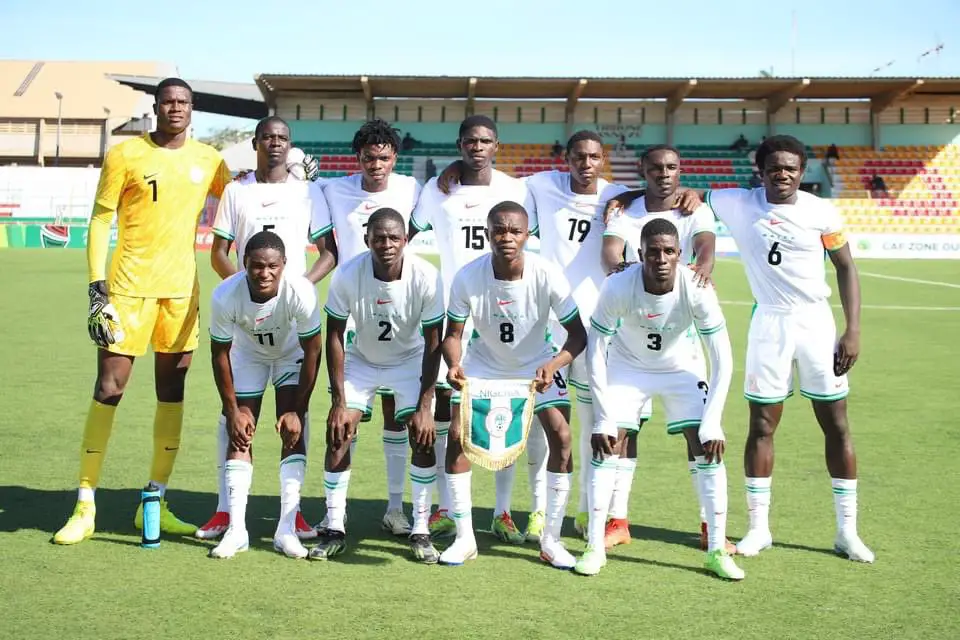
{"x":482,"y":457}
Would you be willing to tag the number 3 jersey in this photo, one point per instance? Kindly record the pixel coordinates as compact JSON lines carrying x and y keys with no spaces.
{"x":652,"y":332}
{"x":511,"y":316}
{"x":781,"y":245}
{"x":388,"y":315}
{"x":458,"y":220}
{"x":268,"y":330}
{"x":285,"y":208}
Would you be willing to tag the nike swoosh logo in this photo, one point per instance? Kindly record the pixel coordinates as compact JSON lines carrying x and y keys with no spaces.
{"x":503,"y":303}
{"x":471,"y":206}
{"x":561,"y":393}
{"x":387,"y":301}
{"x":148,"y":176}
{"x":268,"y":204}
{"x":93,"y":451}
{"x":369,"y":207}
{"x":654,"y":315}
{"x":775,"y":222}
{"x":170,"y":448}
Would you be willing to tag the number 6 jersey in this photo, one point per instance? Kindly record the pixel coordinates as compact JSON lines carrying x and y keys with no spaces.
{"x":511,"y":316}
{"x":268,"y":330}
{"x":781,"y":245}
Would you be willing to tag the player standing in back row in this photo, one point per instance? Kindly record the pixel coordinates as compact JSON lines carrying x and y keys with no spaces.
{"x":156,"y":185}
{"x":272,"y":199}
{"x":459,"y":221}
{"x":351,"y":201}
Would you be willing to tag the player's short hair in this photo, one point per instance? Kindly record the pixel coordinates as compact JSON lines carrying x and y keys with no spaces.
{"x":659,"y":227}
{"x":264,"y":240}
{"x":171,"y":82}
{"x":657,"y":147}
{"x":582,"y":135}
{"x":376,"y":132}
{"x":781,"y":143}
{"x":385,"y":214}
{"x":507,"y":206}
{"x":268,"y":120}
{"x":476,"y":121}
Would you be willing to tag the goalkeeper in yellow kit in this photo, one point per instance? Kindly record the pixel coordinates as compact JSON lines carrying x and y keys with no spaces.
{"x":157,"y":186}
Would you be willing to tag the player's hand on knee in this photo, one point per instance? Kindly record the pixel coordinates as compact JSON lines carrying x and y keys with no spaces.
{"x":289,"y":426}
{"x":103,"y":321}
{"x":456,"y":377}
{"x":450,"y":177}
{"x":713,"y":450}
{"x":241,"y":427}
{"x":602,"y":445}
{"x":423,"y":430}
{"x":338,"y":425}
{"x":543,"y":378}
{"x":848,"y":350}
{"x":687,"y":200}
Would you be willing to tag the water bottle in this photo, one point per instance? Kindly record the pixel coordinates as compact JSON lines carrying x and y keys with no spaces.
{"x":150,"y":499}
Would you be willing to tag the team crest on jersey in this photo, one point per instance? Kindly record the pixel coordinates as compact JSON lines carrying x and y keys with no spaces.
{"x":196,"y":174}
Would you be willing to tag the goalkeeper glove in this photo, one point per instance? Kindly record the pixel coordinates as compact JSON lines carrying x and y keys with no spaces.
{"x":103,"y":322}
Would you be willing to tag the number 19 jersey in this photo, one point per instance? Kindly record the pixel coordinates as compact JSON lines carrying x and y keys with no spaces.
{"x":458,"y":220}
{"x":781,"y":245}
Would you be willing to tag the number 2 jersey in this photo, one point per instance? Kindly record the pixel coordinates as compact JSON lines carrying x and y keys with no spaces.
{"x":511,"y":316}
{"x":268,"y":330}
{"x":781,"y":245}
{"x":285,"y":208}
{"x":571,"y":231}
{"x":388,"y":315}
{"x":458,"y":220}
{"x":651,"y":332}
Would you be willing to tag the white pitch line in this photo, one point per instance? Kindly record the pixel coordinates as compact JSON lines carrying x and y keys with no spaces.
{"x":935,"y":283}
{"x":880,"y":307}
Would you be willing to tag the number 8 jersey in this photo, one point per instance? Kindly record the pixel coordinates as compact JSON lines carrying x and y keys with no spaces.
{"x":781,"y":245}
{"x":458,"y":220}
{"x":510,"y":316}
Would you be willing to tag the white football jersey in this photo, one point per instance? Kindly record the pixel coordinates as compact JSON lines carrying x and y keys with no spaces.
{"x":268,"y":330}
{"x":285,"y":208}
{"x":511,"y":316}
{"x":571,"y":231}
{"x":458,"y":220}
{"x":781,"y":245}
{"x":388,"y":315}
{"x":349,"y":207}
{"x":630,"y":223}
{"x":652,"y":332}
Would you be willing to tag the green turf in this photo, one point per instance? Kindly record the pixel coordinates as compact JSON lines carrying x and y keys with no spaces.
{"x":903,"y":412}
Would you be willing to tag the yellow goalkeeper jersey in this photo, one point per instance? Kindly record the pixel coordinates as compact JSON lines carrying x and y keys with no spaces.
{"x":159,"y":195}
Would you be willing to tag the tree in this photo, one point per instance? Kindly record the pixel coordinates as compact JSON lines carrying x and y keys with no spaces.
{"x":222,"y":138}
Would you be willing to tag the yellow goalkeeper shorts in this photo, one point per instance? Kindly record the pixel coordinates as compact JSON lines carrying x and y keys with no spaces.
{"x":170,"y":325}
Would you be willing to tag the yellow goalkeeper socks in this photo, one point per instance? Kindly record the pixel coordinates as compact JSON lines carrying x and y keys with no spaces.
{"x":167,"y":424}
{"x":93,"y":448}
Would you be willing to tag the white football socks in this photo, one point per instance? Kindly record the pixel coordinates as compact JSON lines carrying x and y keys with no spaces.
{"x":620,"y":501}
{"x":503,"y":480}
{"x":461,"y":504}
{"x":559,"y":484}
{"x":692,"y":468}
{"x":239,"y":476}
{"x":335,"y":488}
{"x":845,"y":504}
{"x":223,"y":441}
{"x":292,"y":471}
{"x":421,"y":490}
{"x":603,"y":474}
{"x":758,"y":503}
{"x":395,"y":448}
{"x":537,"y":452}
{"x":713,"y":492}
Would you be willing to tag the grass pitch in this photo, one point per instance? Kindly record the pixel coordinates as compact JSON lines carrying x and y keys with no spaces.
{"x":903,"y":412}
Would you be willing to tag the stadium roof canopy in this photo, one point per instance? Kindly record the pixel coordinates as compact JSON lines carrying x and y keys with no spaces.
{"x":241,"y":99}
{"x":883,"y":90}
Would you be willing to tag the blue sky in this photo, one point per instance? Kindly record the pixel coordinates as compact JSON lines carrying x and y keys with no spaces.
{"x":494,"y":37}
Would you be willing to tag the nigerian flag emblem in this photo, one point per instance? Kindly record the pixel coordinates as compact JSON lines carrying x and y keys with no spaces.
{"x":495,"y":419}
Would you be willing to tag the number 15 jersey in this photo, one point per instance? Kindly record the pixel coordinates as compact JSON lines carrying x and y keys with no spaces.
{"x":458,"y":220}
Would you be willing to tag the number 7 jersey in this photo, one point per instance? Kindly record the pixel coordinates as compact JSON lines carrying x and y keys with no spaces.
{"x":781,"y":245}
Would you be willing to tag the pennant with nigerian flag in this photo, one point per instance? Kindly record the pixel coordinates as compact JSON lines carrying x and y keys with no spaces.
{"x":495,"y":419}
